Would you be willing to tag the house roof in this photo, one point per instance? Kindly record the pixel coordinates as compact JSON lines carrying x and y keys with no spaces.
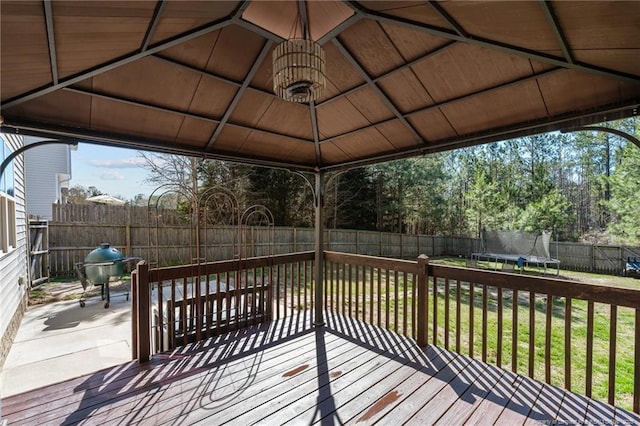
{"x":404,"y":77}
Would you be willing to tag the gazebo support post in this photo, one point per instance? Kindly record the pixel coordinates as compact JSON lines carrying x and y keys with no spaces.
{"x":319,"y":249}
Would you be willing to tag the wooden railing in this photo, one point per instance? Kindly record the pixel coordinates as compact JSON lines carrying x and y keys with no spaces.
{"x":570,"y":334}
{"x":376,"y":290}
{"x":177,"y":305}
{"x":583,"y":337}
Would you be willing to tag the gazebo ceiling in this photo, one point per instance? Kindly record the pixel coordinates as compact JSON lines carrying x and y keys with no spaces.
{"x":403,"y":77}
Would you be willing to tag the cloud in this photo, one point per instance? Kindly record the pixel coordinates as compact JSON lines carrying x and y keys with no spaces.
{"x":125,"y":163}
{"x":112,"y":175}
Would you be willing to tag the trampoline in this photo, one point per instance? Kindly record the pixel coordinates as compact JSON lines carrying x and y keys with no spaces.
{"x":517,"y":248}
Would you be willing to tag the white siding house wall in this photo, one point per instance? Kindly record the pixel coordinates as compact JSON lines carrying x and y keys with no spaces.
{"x":47,"y":170}
{"x":13,"y":263}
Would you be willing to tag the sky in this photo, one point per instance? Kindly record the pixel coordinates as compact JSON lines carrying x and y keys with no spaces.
{"x":114,"y":171}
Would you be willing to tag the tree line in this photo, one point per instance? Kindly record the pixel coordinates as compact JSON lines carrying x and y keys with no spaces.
{"x":583,"y":186}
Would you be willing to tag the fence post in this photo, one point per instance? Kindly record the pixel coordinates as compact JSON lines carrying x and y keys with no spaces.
{"x":144,"y":323}
{"x":423,"y":300}
{"x":127,"y":237}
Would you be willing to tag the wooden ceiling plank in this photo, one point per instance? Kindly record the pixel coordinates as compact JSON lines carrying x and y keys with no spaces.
{"x":621,"y":59}
{"x":356,"y":130}
{"x":125,"y":101}
{"x":202,"y":72}
{"x":406,"y":65}
{"x":569,"y":121}
{"x":180,"y":16}
{"x":285,"y":117}
{"x":177,"y":112}
{"x":370,"y":105}
{"x":434,"y":125}
{"x":407,"y":91}
{"x":48,"y":19}
{"x":198,"y":32}
{"x":263,"y":53}
{"x":151,"y":29}
{"x":450,"y":101}
{"x":259,"y":30}
{"x":501,"y":47}
{"x":194,"y":132}
{"x":336,"y":31}
{"x":340,"y":73}
{"x":376,"y":89}
{"x":557,"y":30}
{"x":365,"y":143}
{"x":488,"y":89}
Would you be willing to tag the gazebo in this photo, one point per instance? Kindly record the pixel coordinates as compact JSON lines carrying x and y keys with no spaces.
{"x":321,"y":86}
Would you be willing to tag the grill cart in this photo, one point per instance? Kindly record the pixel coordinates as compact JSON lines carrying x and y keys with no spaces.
{"x":99,"y":267}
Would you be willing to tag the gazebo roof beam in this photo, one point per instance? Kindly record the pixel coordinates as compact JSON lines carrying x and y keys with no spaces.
{"x":316,"y":133}
{"x":123,"y":60}
{"x":376,"y":89}
{"x":151,"y":29}
{"x":452,"y":100}
{"x":128,"y":141}
{"x":48,"y":19}
{"x":266,"y":49}
{"x":259,"y":30}
{"x":182,"y":113}
{"x":568,"y":122}
{"x":411,"y":63}
{"x":557,"y":29}
{"x":499,"y":46}
{"x":336,"y":31}
{"x":448,"y":18}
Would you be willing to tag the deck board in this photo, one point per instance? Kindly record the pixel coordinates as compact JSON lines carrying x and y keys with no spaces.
{"x":289,"y":372}
{"x":492,"y":406}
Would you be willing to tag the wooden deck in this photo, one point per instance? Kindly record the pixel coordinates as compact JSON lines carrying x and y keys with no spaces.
{"x":291,"y":372}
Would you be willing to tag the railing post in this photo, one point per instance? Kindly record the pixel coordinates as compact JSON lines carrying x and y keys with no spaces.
{"x":144,"y":323}
{"x":134,"y":315}
{"x":423,"y":300}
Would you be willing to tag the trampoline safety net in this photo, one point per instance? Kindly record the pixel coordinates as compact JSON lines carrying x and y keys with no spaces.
{"x":516,"y":243}
{"x":517,"y":247}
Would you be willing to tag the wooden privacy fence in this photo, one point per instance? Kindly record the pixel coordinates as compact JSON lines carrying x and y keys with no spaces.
{"x":583,"y":337}
{"x":113,"y":215}
{"x":77,"y":229}
{"x":171,"y":245}
{"x":70,"y":243}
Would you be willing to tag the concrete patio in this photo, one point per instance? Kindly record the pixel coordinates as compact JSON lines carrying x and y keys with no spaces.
{"x":60,"y":341}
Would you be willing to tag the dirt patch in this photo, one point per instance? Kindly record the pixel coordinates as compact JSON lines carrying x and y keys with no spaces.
{"x":71,"y":290}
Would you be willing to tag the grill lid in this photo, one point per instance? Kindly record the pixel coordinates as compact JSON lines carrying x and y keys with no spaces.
{"x":104,"y":253}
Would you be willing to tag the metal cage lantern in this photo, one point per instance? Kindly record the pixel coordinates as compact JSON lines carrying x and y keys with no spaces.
{"x":299,"y":70}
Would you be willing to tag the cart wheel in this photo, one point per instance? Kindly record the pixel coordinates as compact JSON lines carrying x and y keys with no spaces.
{"x":106,"y":305}
{"x":82,"y":303}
